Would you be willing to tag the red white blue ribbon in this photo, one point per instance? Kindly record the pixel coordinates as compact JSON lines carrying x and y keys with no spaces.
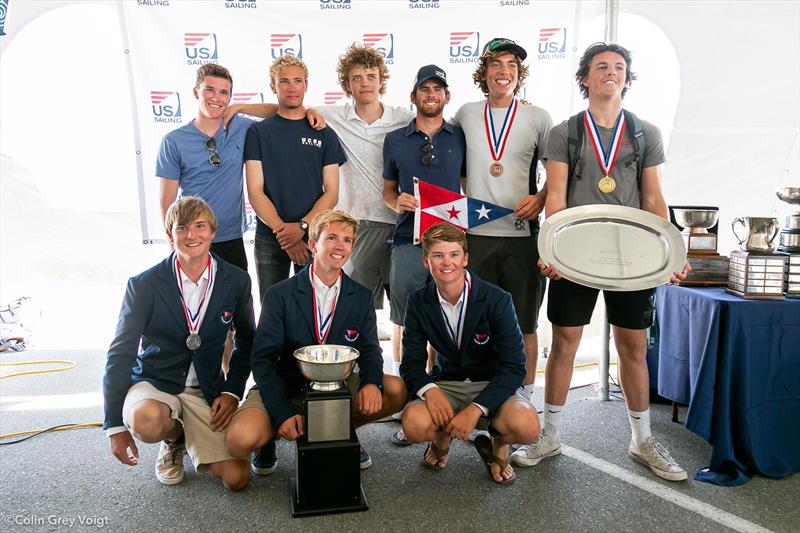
{"x":456,"y":334}
{"x":497,"y":142}
{"x":193,"y":320}
{"x":606,"y":158}
{"x":322,"y":326}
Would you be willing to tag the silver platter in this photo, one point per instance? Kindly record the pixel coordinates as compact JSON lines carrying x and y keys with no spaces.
{"x":612,"y":247}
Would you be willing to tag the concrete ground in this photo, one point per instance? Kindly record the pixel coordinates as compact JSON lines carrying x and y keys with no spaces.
{"x":69,"y":479}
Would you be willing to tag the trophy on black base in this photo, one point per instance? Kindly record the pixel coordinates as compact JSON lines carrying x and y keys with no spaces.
{"x":790,"y":241}
{"x":708,"y":267}
{"x":328,"y":474}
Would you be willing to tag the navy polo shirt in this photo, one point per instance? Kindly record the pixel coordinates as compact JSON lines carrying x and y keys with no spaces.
{"x":402,"y":162}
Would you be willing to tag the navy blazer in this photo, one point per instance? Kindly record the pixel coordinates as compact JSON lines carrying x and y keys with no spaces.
{"x":287,"y":323}
{"x":150,"y":341}
{"x":491,"y":343}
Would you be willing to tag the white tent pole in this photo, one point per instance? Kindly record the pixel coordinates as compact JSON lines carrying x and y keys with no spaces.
{"x":612,"y":19}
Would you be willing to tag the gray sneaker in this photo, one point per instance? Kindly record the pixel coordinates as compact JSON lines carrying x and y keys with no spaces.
{"x":658,"y":459}
{"x":169,"y":463}
{"x":531,"y":454}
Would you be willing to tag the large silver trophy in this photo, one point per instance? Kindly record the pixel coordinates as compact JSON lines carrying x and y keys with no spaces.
{"x":328,"y":474}
{"x":755,"y":271}
{"x":790,"y":241}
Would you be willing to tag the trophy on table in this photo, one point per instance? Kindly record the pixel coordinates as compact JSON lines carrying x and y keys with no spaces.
{"x":328,"y":475}
{"x":790,"y":241}
{"x":708,"y":266}
{"x":755,"y":271}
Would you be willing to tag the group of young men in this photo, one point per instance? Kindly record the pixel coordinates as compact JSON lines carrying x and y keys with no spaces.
{"x":466,"y":338}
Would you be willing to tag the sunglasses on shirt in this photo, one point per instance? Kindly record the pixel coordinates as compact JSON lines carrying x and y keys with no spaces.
{"x":427,"y":153}
{"x":211,"y":145}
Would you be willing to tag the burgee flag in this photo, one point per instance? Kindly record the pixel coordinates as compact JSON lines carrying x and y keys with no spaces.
{"x":437,"y":204}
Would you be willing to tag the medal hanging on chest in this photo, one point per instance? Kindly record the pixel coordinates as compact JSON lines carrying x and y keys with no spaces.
{"x":322,"y":325}
{"x":497,"y":140}
{"x":193,"y":340}
{"x":605,"y":158}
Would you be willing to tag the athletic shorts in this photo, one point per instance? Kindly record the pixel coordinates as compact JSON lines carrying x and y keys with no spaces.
{"x":408,"y":275}
{"x":510,"y":263}
{"x":570,"y":304}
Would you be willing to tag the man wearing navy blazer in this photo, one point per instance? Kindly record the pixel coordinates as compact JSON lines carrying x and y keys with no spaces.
{"x":163,"y":378}
{"x":480,"y":361}
{"x":318,"y":305}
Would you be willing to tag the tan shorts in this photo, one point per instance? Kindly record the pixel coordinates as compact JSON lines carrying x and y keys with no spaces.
{"x":204,"y":445}
{"x":462,"y":393}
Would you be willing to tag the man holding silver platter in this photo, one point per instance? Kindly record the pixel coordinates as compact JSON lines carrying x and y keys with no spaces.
{"x":318,"y":305}
{"x":604,"y":155}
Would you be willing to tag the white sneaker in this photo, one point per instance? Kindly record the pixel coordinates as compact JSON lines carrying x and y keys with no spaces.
{"x":657,"y":458}
{"x":531,"y":454}
{"x":169,"y":463}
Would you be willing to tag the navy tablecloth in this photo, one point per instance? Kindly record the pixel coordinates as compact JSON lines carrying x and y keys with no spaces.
{"x":736,"y":363}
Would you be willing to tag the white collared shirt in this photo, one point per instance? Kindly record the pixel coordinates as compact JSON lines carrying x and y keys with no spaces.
{"x":326,"y":296}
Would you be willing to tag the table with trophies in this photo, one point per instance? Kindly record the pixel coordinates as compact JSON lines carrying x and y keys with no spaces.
{"x":732,"y":352}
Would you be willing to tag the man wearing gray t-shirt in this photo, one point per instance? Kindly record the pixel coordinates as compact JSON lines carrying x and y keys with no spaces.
{"x":602,"y":175}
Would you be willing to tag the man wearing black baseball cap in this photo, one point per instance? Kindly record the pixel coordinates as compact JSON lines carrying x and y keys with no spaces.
{"x":505,"y":143}
{"x":432,"y":150}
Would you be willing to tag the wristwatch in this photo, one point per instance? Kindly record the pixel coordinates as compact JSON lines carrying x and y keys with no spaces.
{"x":303,"y":226}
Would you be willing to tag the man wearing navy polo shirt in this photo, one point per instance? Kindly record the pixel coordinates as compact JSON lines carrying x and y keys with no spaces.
{"x":429,"y":149}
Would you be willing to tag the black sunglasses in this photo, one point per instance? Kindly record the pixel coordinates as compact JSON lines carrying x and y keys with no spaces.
{"x":211,"y":146}
{"x":427,"y":153}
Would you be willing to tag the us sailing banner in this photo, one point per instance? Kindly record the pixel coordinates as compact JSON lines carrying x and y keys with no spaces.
{"x":436,"y":204}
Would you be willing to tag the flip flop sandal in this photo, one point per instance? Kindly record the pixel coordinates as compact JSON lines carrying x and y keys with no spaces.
{"x":438,"y":454}
{"x":399,"y":439}
{"x":484,"y":446}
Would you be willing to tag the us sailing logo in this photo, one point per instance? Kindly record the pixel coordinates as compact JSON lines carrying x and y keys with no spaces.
{"x":166,"y":106}
{"x":552,"y":43}
{"x":281,"y":44}
{"x":383,"y":43}
{"x":465,"y":46}
{"x":334,"y":4}
{"x":247,"y":98}
{"x":333,"y":97}
{"x":201,"y":48}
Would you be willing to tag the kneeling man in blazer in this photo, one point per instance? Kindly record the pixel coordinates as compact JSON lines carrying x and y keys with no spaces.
{"x":318,"y":305}
{"x":480,"y":361}
{"x":164,"y":379}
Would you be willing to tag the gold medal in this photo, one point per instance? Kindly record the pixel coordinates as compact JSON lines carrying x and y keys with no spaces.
{"x":496,"y":169}
{"x":607,"y":184}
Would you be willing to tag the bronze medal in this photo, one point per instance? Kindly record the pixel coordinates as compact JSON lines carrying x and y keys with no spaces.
{"x":607,"y":184}
{"x":496,"y":169}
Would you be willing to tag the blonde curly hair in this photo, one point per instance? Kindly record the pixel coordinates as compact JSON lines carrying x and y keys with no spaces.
{"x":288,"y":60}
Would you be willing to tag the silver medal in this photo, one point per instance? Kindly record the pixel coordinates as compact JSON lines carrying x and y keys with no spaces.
{"x":193,"y":341}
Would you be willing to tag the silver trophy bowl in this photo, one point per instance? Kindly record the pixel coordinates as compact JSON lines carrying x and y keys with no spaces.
{"x":695,"y":220}
{"x":326,"y":365}
{"x":790,"y":195}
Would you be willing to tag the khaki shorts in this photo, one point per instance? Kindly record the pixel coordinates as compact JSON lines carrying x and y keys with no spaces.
{"x":462,"y":393}
{"x":190,"y":409}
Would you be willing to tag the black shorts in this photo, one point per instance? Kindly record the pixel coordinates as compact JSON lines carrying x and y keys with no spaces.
{"x":231,"y":252}
{"x":570,"y":304}
{"x":510,"y":263}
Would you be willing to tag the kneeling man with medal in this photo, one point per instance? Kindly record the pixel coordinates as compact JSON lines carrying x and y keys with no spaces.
{"x":164,"y":379}
{"x":480,"y":361}
{"x":318,"y":305}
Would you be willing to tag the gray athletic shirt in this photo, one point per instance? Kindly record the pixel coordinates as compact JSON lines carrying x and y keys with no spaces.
{"x":583,"y":189}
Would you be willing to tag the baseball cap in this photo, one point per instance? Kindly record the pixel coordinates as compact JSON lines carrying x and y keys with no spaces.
{"x":430,"y":71}
{"x":501,"y":44}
